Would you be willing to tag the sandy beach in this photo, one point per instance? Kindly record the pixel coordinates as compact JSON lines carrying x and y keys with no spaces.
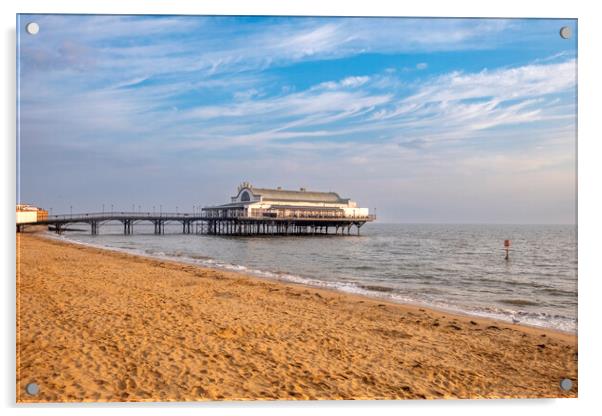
{"x":95,"y":325}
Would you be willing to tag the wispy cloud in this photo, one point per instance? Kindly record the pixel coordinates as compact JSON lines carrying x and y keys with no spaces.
{"x":352,"y":82}
{"x":458,"y":103}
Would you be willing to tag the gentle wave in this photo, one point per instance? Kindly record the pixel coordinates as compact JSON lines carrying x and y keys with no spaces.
{"x":518,"y":302}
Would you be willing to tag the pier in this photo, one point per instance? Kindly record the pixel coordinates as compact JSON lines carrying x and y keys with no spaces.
{"x":251,"y":211}
{"x":212,"y":223}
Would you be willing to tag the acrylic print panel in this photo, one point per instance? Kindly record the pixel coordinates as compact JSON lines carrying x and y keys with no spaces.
{"x":295,"y":208}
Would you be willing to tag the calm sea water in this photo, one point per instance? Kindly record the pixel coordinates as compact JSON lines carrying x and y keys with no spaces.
{"x":459,"y":268}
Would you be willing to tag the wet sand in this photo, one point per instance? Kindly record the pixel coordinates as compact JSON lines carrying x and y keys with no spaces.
{"x":95,"y":325}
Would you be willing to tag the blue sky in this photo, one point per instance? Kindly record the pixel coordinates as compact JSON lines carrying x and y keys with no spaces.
{"x":428,"y":120}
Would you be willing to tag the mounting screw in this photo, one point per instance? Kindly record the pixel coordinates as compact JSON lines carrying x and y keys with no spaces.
{"x":565,"y":32}
{"x":566,"y":384}
{"x":32,"y":28}
{"x":32,"y":389}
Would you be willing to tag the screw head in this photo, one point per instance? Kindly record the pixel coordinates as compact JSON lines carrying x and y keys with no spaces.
{"x":32,"y":389}
{"x":32,"y":28}
{"x":566,"y":384}
{"x":565,"y":32}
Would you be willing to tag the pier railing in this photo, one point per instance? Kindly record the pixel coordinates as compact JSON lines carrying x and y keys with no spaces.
{"x":314,"y":216}
{"x":121,"y":214}
{"x":205,"y":215}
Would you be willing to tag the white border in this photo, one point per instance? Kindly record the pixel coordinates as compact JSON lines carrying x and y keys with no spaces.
{"x":590,"y":207}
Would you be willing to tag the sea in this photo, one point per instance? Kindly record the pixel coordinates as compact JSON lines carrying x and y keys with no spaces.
{"x":456,"y":268}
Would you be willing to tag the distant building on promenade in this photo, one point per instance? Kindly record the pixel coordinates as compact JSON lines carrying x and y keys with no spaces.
{"x":254,"y":202}
{"x":29,"y":214}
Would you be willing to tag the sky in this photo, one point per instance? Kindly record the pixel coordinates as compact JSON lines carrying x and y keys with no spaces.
{"x":424,"y":120}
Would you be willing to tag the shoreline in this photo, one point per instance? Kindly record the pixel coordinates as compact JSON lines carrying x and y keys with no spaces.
{"x":372,"y":296}
{"x":352,"y":338}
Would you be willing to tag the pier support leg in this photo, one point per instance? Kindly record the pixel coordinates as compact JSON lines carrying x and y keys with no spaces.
{"x":93,"y":228}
